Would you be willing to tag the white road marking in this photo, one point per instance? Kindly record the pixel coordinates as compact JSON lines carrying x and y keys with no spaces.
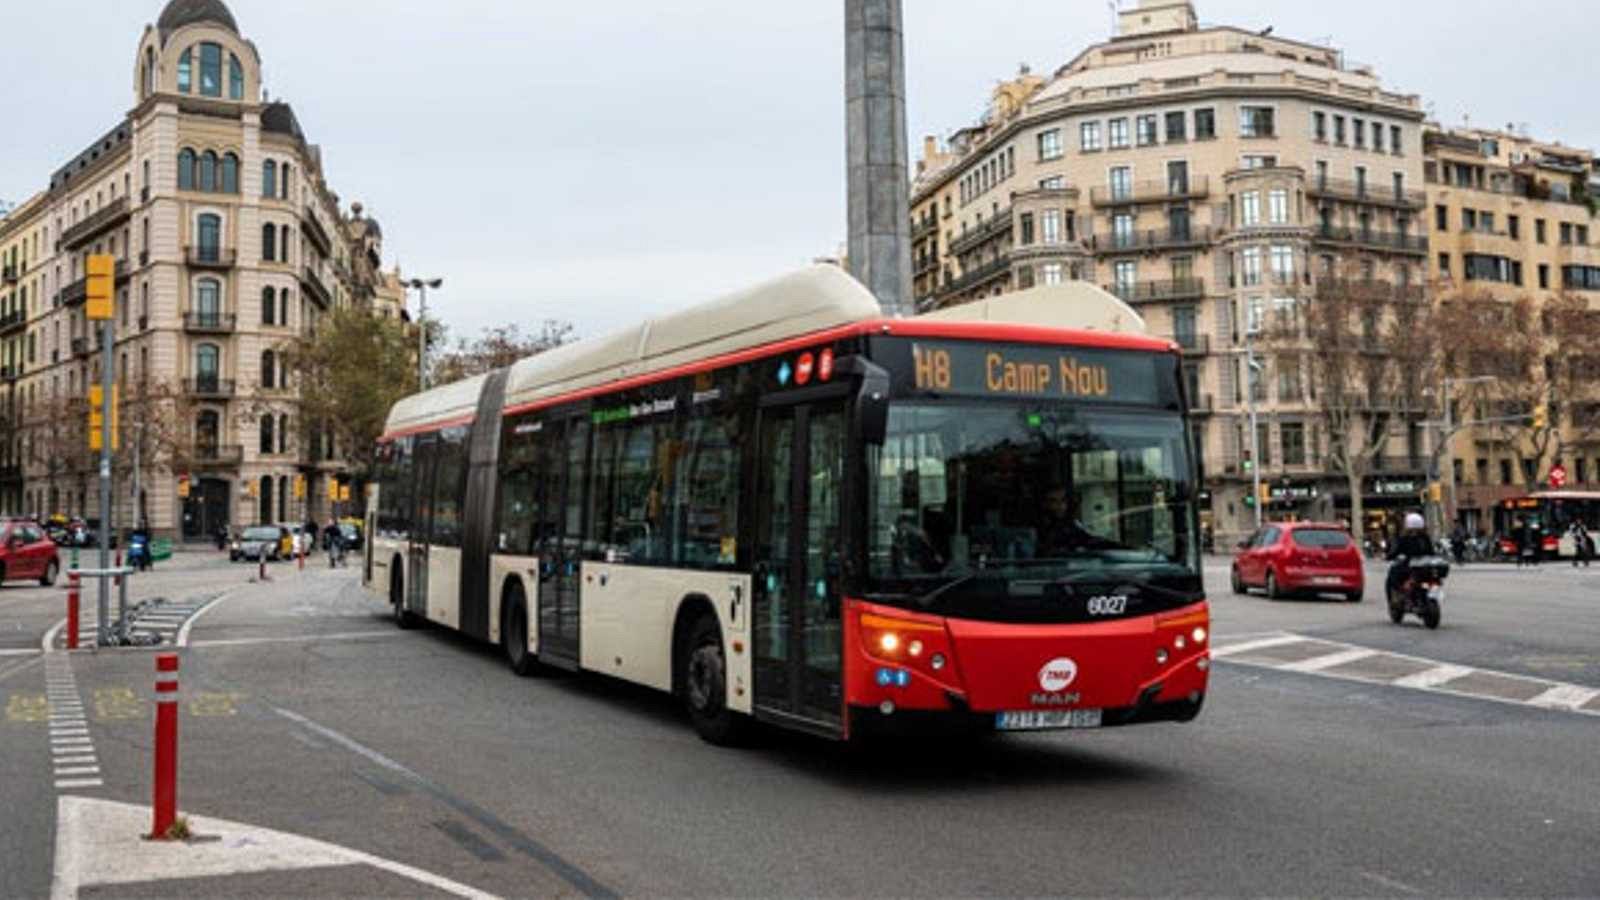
{"x":69,"y":732}
{"x":69,"y":784}
{"x":25,"y":652}
{"x":98,"y":843}
{"x":1258,"y":644}
{"x":304,"y":638}
{"x":1328,"y":661}
{"x":77,"y":770}
{"x":183,"y":633}
{"x":1433,"y":677}
{"x":1565,"y":696}
{"x":74,"y":760}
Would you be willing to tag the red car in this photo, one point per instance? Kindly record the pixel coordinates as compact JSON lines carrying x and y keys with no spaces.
{"x":1299,"y":557}
{"x":26,"y":553}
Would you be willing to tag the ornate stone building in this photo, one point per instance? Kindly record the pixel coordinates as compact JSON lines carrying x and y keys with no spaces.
{"x":229,"y":243}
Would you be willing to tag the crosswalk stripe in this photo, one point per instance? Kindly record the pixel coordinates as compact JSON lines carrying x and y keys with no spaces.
{"x":1328,"y":661}
{"x":72,"y":783}
{"x":1433,"y":677}
{"x":77,"y":770}
{"x":1258,"y":644}
{"x":1565,"y":696}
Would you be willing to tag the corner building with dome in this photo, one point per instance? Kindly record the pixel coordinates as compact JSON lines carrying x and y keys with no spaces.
{"x":229,"y":244}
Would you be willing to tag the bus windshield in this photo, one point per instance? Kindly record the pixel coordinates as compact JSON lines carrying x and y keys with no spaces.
{"x":1011,"y":511}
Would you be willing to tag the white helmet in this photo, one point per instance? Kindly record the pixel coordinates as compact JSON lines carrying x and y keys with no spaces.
{"x":1414,"y":522}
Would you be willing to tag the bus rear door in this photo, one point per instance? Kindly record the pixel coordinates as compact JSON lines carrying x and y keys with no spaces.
{"x":421,"y":498}
{"x":797,"y":560}
{"x":561,"y":545}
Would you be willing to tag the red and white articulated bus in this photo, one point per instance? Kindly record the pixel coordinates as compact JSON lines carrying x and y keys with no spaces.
{"x":782,"y":506}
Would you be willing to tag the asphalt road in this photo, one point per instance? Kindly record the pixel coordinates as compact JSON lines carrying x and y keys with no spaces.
{"x":307,"y":712}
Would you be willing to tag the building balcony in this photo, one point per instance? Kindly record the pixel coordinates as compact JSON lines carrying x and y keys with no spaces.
{"x":1151,"y":240}
{"x":10,"y":474}
{"x":312,"y":284}
{"x":10,"y":374}
{"x":313,"y":229}
{"x":1193,"y":344}
{"x":209,"y":455}
{"x":80,"y":346}
{"x":1158,"y":291}
{"x":13,"y":321}
{"x":1578,"y":254}
{"x":1047,"y":196}
{"x":1203,"y":405}
{"x":924,"y":227}
{"x":983,"y":231}
{"x":209,"y":386}
{"x":1351,"y":191}
{"x":978,"y":276}
{"x":924,"y":265}
{"x":106,"y":218}
{"x":11,"y":274}
{"x":1150,"y":192}
{"x":209,"y":323}
{"x":215,"y":258}
{"x":1369,"y":239}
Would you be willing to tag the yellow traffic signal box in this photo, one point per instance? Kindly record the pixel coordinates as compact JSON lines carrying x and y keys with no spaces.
{"x":100,"y":286}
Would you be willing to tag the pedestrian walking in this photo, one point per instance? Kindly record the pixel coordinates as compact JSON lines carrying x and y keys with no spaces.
{"x":1582,"y":544}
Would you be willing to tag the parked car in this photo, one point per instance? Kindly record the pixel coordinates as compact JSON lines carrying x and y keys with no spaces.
{"x":352,"y":536}
{"x":258,"y":542}
{"x":26,"y":552}
{"x":1299,"y":558}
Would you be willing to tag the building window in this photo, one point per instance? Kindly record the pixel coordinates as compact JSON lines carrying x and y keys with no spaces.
{"x":269,"y":303}
{"x":210,"y":70}
{"x":283,"y":183}
{"x":186,"y":169}
{"x":1250,"y":262}
{"x":1127,"y":277}
{"x":1283,"y":263}
{"x":230,"y":173}
{"x":1544,"y":276}
{"x":1050,"y":273}
{"x":1178,"y":178}
{"x":1319,"y":126}
{"x":1049,"y":145}
{"x":1444,"y":265}
{"x":1539,"y":230}
{"x":283,"y":243}
{"x":1394,"y":139}
{"x":1177,"y":127}
{"x":1377,"y":136}
{"x":208,"y":171}
{"x":1122,"y":230}
{"x":269,"y":243}
{"x":1053,"y":183}
{"x":1145,"y":127}
{"x":1089,"y":136}
{"x":1256,"y":121}
{"x":1293,"y":437}
{"x":1121,"y":183}
{"x":1050,"y":226}
{"x":1278,"y":206}
{"x":185,"y":70}
{"x":235,"y":78}
{"x":1205,"y":124}
{"x":207,"y":367}
{"x":1250,"y":208}
{"x":269,"y":179}
{"x":208,"y":236}
{"x":208,"y":301}
{"x":1441,"y":218}
{"x":283,"y":433}
{"x":147,"y":81}
{"x":269,"y":369}
{"x":268,"y":425}
{"x":1117,"y":134}
{"x":1359,"y":128}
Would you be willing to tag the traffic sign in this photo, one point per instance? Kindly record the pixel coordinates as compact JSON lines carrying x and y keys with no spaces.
{"x":1558,"y":476}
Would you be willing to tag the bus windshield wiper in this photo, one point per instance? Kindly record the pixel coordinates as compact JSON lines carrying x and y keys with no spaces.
{"x":926,"y":600}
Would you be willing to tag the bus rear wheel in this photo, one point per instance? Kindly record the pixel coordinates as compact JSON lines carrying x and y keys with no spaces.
{"x":705,"y":686}
{"x":397,"y":599}
{"x":514,"y":633}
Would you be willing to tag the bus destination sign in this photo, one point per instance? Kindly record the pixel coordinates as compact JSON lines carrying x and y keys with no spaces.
{"x":1035,"y":372}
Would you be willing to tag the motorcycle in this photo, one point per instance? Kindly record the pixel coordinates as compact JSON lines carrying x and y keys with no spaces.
{"x":139,"y":552}
{"x":1421,"y":593}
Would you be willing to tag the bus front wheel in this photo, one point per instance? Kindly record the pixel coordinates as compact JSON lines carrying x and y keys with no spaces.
{"x":705,"y":686}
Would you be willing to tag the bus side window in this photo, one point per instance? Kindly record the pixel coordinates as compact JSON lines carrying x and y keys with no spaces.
{"x":517,"y":480}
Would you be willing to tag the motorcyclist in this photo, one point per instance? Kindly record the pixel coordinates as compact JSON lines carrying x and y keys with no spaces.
{"x":1413,"y":543}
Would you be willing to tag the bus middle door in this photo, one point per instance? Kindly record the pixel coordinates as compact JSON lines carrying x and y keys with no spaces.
{"x":798,"y":640}
{"x":421,"y":526}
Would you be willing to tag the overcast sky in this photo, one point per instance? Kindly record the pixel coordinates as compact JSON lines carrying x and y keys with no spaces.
{"x":597,"y":162}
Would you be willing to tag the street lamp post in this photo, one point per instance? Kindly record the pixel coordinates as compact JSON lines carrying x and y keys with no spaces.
{"x":1252,"y":369}
{"x":421,"y":285}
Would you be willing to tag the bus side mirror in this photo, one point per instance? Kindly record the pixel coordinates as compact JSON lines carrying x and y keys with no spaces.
{"x":872,"y":398}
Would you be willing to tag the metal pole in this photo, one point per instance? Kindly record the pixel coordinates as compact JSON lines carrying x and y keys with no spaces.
{"x":422,"y":339}
{"x":1448,"y":466}
{"x":1255,"y":444}
{"x":875,"y":133}
{"x":105,"y":480}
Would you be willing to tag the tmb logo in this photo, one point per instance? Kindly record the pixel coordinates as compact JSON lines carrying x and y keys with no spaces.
{"x":1058,"y":674}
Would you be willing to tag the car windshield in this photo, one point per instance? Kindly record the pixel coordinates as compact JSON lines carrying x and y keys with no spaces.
{"x":994,"y":510}
{"x":261,"y":534}
{"x":1320,"y":538}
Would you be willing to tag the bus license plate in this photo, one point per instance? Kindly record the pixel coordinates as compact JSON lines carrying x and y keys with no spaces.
{"x":1046,"y":719}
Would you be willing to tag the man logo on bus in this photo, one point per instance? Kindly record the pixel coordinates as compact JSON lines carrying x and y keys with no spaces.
{"x":1058,"y":674}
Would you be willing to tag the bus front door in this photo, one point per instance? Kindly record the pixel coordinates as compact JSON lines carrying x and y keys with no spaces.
{"x":416,"y":583}
{"x":797,"y":564}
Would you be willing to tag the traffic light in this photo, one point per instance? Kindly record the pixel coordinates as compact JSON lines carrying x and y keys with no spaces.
{"x":333,"y":489}
{"x":1264,"y":494}
{"x":1436,"y":492}
{"x":299,"y":487}
{"x":1249,"y":464}
{"x":97,"y":417}
{"x":344,"y":493}
{"x":99,"y":286}
{"x":1541,"y":417}
{"x":183,"y":487}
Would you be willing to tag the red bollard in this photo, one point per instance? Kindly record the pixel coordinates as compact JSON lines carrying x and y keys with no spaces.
{"x":165,"y":801}
{"x":302,"y":555}
{"x":72,"y":609}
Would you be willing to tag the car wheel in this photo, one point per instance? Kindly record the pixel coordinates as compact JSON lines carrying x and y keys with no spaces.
{"x":1273,"y":591}
{"x":1238,"y":584}
{"x":1354,"y":596}
{"x":51,"y":570}
{"x":705,"y":686}
{"x":514,"y":633}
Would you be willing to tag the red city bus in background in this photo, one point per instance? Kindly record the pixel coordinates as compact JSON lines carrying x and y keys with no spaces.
{"x":1553,"y":512}
{"x":780,"y":506}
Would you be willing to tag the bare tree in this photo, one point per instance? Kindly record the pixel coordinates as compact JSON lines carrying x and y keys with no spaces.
{"x":1369,"y":353}
{"x":497,"y":348}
